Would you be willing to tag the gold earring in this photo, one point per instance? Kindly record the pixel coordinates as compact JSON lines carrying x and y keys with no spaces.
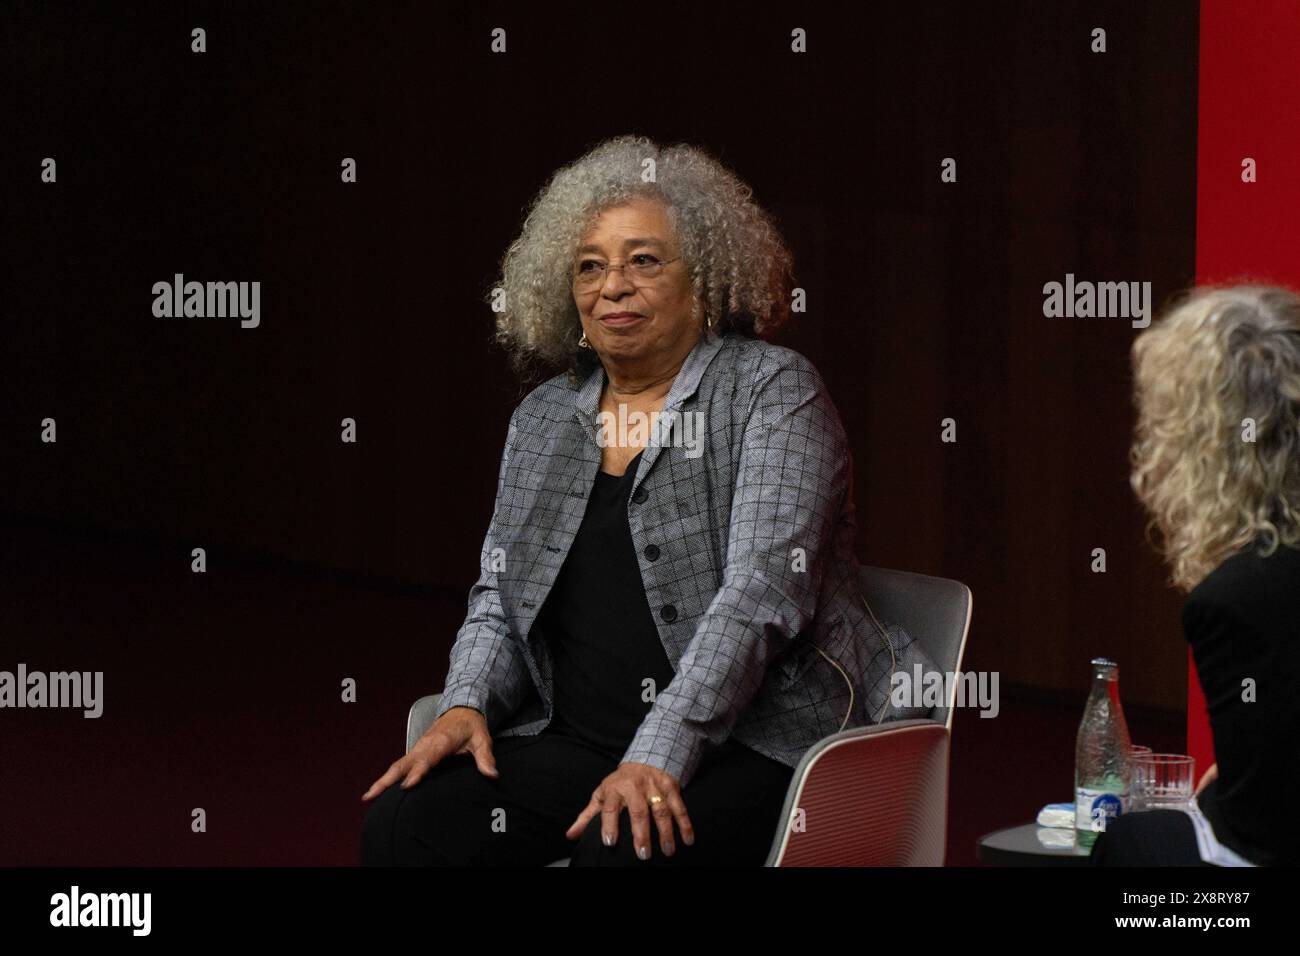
{"x":583,"y":343}
{"x":709,"y":319}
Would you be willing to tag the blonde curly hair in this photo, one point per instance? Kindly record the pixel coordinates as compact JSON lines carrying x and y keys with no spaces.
{"x":740,"y":267}
{"x":1220,"y":359}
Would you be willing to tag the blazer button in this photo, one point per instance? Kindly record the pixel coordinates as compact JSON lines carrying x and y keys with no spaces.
{"x":652,"y":552}
{"x":640,"y":495}
{"x":668,"y":613}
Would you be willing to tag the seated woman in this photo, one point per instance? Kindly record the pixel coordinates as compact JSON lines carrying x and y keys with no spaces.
{"x":1217,"y":464}
{"x":666,"y":618}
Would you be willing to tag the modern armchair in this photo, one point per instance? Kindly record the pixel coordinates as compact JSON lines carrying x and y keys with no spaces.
{"x":873,"y":795}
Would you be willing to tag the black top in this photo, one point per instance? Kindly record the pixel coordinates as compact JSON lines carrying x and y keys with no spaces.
{"x":1243,"y":621}
{"x":599,"y":628}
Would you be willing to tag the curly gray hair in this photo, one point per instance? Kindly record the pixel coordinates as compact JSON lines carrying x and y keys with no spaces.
{"x":740,"y":266}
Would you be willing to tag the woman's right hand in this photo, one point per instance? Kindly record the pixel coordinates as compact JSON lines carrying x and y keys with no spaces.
{"x":461,"y":730}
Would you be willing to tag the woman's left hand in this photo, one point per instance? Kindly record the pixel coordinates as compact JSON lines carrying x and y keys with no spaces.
{"x":632,"y":785}
{"x":1211,"y":774}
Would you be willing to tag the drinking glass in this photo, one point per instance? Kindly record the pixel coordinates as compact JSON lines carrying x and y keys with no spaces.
{"x":1162,"y":781}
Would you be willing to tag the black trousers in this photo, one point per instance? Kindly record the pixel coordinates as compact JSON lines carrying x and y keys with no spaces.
{"x":1149,"y":838}
{"x":455,"y":816}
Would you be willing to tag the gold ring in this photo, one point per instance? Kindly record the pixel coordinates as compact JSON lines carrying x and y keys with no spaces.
{"x":655,"y":799}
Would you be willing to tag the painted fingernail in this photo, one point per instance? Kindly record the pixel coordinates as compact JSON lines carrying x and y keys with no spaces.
{"x":606,"y":838}
{"x":643,"y":853}
{"x":667,"y":848}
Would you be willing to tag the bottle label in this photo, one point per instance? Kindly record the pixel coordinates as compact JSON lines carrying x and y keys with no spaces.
{"x":1093,"y":809}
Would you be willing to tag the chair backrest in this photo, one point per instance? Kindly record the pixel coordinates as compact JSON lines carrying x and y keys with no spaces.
{"x":420,"y":718}
{"x":868,"y":796}
{"x":879,"y":794}
{"x":935,"y":611}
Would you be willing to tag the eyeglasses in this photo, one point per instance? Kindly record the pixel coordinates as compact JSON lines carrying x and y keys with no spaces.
{"x":589,"y":274}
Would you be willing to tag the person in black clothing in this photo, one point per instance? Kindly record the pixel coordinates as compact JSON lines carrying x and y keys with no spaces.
{"x":1243,"y":622}
{"x":560,"y":722}
{"x":1217,"y":463}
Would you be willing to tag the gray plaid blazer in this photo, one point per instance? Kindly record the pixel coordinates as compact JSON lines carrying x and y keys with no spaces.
{"x":744,"y":531}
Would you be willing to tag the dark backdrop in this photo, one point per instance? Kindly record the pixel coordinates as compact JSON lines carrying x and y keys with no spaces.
{"x":328,"y":561}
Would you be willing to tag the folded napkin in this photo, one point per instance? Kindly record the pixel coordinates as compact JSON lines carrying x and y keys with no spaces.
{"x":1057,"y":815}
